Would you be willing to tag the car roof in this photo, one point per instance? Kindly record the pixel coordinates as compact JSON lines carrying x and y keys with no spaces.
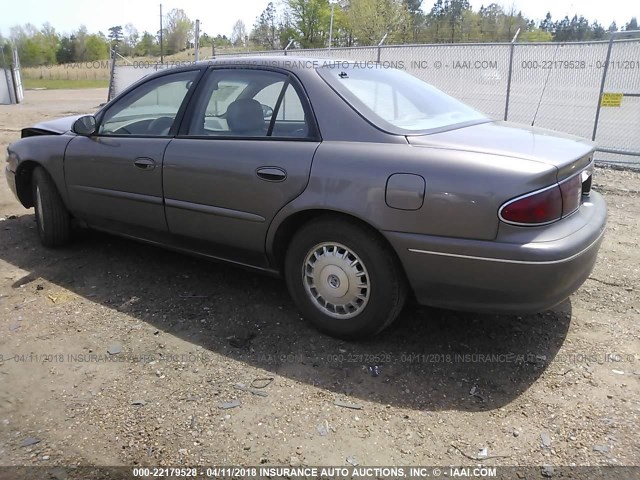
{"x":302,"y":67}
{"x":290,"y":62}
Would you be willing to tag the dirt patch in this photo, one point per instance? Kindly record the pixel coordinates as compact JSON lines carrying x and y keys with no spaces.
{"x":116,"y":353}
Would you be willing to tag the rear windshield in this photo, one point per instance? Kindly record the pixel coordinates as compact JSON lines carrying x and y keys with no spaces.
{"x":397,"y":102}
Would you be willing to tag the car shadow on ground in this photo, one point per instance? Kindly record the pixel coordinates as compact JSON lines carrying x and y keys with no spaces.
{"x":429,"y":359}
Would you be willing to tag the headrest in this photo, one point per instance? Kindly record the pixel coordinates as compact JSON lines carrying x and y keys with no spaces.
{"x":245,"y":115}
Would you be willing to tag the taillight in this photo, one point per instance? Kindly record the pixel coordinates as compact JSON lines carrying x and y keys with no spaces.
{"x":571,"y":194}
{"x":535,"y":208}
{"x":546,"y":205}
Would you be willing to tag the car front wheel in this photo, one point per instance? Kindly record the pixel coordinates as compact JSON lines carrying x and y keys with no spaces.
{"x":344,"y":278}
{"x":52,"y":217}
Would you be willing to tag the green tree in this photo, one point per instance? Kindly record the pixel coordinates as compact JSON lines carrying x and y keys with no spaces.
{"x":222,"y":41}
{"x":343,"y":35}
{"x":436,"y":22}
{"x":130,"y":40}
{"x":79,"y":44}
{"x":64,"y":53}
{"x":454,"y":21}
{"x":5,"y":52}
{"x":512,"y":23}
{"x":581,"y":28}
{"x":470,"y":26}
{"x":455,"y":14}
{"x":238,"y":34}
{"x":562,"y":30}
{"x":35,"y":47}
{"x":96,"y":48}
{"x":598,"y":31}
{"x":115,"y":36}
{"x":287,"y":31}
{"x":371,"y":20}
{"x":147,"y":46}
{"x":206,"y":40}
{"x":547,"y":24}
{"x":265,"y":31}
{"x":179,"y":30}
{"x":491,"y":19}
{"x":29,"y":53}
{"x":50,"y":41}
{"x":310,"y":21}
{"x":5,"y":48}
{"x":417,"y":17}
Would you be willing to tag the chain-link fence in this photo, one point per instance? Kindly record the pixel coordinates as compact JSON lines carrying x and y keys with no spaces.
{"x":124,"y":72}
{"x":590,"y":89}
{"x":617,"y":125}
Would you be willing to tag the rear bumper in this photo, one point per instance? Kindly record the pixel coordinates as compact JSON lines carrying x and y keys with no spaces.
{"x":503,"y":276}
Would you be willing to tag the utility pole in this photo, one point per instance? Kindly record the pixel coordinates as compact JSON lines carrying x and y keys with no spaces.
{"x":197,"y":53}
{"x":161,"y":46}
{"x":331,"y":26}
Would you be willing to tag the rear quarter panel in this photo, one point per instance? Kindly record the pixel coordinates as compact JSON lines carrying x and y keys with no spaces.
{"x":463,"y":190}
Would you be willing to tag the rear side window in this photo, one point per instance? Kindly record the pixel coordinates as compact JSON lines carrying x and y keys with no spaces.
{"x":291,"y":109}
{"x":249,"y":103}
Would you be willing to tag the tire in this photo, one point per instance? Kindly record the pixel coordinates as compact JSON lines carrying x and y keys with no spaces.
{"x":52,"y":217}
{"x":344,"y":278}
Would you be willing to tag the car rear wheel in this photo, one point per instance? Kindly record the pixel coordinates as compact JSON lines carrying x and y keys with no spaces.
{"x":52,"y":217}
{"x":344,"y":278}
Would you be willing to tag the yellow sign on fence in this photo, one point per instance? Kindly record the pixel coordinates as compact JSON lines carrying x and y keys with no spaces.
{"x":611,"y":99}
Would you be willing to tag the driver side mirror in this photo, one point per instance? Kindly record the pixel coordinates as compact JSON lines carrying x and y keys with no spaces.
{"x":85,"y":126}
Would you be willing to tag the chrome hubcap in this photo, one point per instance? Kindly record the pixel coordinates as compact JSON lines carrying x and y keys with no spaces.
{"x":336,"y":280}
{"x":39,"y":208}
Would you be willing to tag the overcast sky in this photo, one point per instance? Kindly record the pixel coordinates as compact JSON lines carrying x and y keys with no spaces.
{"x":218,"y":16}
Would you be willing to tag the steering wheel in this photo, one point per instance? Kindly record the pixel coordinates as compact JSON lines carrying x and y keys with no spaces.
{"x":160,"y":126}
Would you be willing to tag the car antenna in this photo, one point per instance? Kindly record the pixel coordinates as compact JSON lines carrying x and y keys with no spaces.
{"x":544,"y":87}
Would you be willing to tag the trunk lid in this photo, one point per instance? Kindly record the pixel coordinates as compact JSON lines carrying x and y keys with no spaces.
{"x":568,"y":153}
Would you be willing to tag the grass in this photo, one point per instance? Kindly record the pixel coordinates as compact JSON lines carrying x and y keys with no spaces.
{"x":98,"y":70}
{"x":92,"y":74}
{"x":56,"y":84}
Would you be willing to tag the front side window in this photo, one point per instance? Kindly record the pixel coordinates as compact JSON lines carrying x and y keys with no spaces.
{"x":150,"y":109}
{"x":249,"y":103}
{"x":397,"y":102}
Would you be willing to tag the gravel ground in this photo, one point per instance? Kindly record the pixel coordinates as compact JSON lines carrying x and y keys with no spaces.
{"x":117,"y":353}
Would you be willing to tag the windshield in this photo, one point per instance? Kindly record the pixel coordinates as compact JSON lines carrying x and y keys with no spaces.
{"x":397,"y":102}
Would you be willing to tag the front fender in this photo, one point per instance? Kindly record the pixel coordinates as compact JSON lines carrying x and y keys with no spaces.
{"x":46,"y":151}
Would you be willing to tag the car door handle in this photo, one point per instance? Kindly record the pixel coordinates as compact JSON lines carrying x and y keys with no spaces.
{"x":272,"y":174}
{"x":145,"y":163}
